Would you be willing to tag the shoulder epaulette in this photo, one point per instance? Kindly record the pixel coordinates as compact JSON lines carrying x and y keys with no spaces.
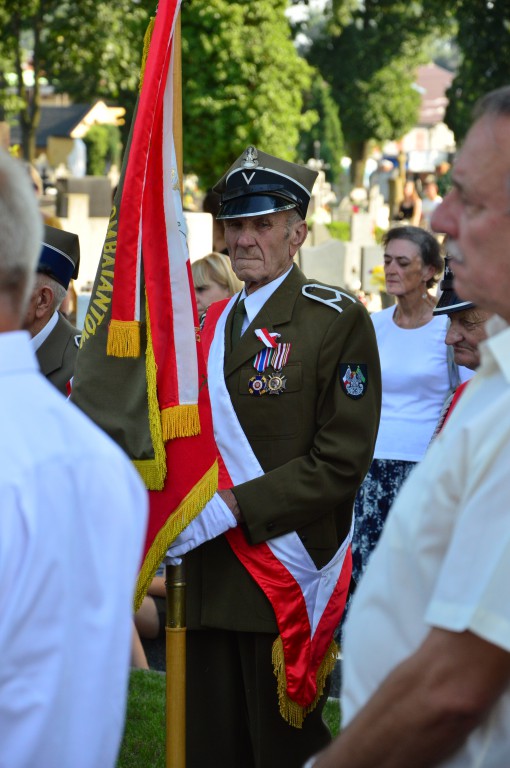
{"x":334,"y":296}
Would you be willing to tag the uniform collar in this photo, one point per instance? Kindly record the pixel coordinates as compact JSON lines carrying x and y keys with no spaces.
{"x":39,"y":339}
{"x":256,"y":300}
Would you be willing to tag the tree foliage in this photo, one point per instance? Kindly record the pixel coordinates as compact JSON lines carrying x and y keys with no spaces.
{"x":369,"y":53}
{"x":86,"y":48}
{"x":324,"y":139}
{"x":483,"y":38}
{"x":103,"y":144}
{"x":243,"y":83}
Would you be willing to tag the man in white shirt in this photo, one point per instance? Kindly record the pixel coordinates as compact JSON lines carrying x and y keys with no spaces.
{"x":427,"y":642}
{"x":73,"y":516}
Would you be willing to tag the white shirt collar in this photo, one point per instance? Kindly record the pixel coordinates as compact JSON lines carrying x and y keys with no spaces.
{"x":39,"y":339}
{"x":256,"y":300}
{"x":496,"y":347}
{"x":16,"y":353}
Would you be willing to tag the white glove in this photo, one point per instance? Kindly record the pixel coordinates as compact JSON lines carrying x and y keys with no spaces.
{"x":213,"y":520}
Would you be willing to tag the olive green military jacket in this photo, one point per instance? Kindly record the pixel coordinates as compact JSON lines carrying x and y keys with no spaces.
{"x":57,"y":354}
{"x":314,"y":441}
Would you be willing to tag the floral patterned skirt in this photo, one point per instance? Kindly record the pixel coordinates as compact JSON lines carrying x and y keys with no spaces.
{"x":375,"y":497}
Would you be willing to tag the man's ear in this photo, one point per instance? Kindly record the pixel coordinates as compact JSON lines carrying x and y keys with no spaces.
{"x":44,"y":301}
{"x":298,"y":236}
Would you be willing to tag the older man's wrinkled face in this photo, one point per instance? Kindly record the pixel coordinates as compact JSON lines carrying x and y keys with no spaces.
{"x":261,"y":248}
{"x":465,"y":332}
{"x":476,"y":216}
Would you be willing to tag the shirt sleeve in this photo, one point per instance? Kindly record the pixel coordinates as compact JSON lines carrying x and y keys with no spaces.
{"x":471,"y":591}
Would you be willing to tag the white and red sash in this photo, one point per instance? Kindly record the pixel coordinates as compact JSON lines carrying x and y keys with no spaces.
{"x":308,"y":603}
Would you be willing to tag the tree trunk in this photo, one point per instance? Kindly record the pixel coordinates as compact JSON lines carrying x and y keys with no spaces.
{"x":29,"y":113}
{"x":358,"y":151}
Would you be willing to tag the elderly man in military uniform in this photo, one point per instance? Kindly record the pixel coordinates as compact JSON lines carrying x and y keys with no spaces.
{"x":466,"y":330}
{"x":467,"y":322}
{"x":55,"y":340}
{"x":294,"y":380}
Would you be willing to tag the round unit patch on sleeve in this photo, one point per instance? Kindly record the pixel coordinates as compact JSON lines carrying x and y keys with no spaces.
{"x":354,"y":379}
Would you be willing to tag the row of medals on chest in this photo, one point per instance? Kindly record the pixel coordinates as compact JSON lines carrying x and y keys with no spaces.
{"x":265,"y":382}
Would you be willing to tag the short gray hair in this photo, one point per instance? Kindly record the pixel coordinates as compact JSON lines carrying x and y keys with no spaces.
{"x":293,"y":217}
{"x":59,"y":292}
{"x":496,"y":103}
{"x":21,"y":227}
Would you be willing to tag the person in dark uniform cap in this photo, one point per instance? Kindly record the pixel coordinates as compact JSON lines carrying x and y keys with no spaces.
{"x":465,"y":332}
{"x":294,"y":381}
{"x":55,"y":340}
{"x":467,"y":322}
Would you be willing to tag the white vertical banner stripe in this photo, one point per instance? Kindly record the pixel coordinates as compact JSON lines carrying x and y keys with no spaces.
{"x":178,"y":257}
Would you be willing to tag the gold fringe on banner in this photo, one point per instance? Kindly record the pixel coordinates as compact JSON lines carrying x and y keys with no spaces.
{"x":146,"y":44}
{"x":291,"y":712}
{"x":180,"y":421}
{"x":187,"y":510}
{"x":123,"y":338}
{"x":153,"y":471}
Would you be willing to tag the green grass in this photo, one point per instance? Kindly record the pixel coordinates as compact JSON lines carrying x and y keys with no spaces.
{"x":143,"y":744}
{"x":144,"y":736}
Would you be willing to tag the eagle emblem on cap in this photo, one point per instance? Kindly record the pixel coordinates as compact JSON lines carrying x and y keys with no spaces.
{"x":250,"y":158}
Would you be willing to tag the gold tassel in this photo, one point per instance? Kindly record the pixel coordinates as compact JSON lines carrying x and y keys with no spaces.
{"x":188,"y":509}
{"x":146,"y":44}
{"x":291,"y":712}
{"x":150,"y":471}
{"x":153,"y":471}
{"x":123,"y":338}
{"x":180,"y":421}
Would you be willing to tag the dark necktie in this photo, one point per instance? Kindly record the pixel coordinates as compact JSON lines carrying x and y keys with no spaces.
{"x":237,"y":322}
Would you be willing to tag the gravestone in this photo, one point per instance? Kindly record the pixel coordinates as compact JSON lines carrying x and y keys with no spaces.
{"x":334,"y":262}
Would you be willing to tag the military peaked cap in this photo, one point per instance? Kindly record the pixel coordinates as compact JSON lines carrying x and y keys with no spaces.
{"x":258,"y":183}
{"x":60,"y":255}
{"x":449,"y":301}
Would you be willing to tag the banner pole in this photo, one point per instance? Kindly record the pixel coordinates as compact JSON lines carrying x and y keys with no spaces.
{"x":175,"y":666}
{"x":175,"y":630}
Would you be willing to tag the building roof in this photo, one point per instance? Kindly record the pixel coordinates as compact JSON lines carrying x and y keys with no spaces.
{"x":55,"y":121}
{"x":71,"y":121}
{"x":433,"y":82}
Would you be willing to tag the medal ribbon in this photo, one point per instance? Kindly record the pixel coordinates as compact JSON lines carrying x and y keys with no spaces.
{"x":262,"y":359}
{"x":269,"y":339}
{"x":281,"y":356}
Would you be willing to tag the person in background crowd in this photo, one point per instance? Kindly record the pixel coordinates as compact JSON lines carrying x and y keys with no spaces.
{"x":213,"y":280}
{"x":55,"y":340}
{"x":73,"y":520}
{"x":409,"y":210}
{"x":443,"y":178}
{"x":294,"y":382}
{"x":415,"y":379}
{"x":381,"y":177}
{"x":426,"y":673}
{"x":431,"y":200}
